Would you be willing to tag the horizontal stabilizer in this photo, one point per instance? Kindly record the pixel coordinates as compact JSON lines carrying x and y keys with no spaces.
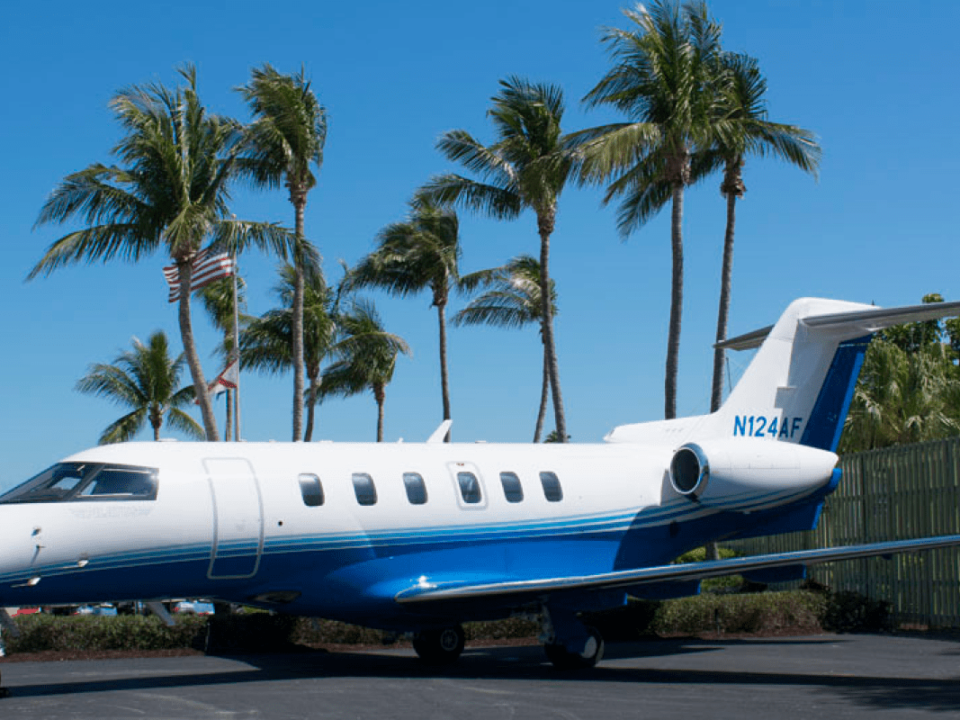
{"x":852,"y":324}
{"x":425,"y":592}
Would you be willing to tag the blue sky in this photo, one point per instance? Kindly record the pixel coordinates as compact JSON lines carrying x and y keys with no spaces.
{"x":873,"y":79}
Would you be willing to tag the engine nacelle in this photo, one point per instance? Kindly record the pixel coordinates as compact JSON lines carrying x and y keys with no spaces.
{"x":748,"y":473}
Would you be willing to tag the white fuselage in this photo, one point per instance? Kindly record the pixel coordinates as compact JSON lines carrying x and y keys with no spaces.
{"x":242,"y":522}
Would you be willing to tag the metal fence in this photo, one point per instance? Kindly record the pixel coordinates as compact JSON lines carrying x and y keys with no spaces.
{"x":899,"y":493}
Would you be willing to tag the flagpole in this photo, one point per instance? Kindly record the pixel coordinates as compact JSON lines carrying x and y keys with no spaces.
{"x":236,"y":350}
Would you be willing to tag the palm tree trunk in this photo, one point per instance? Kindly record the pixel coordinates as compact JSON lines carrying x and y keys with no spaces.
{"x":229,"y":421}
{"x":311,"y":407}
{"x":379,"y":395}
{"x":676,"y":305}
{"x":190,"y":350}
{"x":444,"y":378}
{"x":545,"y":224}
{"x":726,"y":274}
{"x":544,"y":390}
{"x":297,"y":322}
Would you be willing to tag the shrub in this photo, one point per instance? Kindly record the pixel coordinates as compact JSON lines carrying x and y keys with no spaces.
{"x":772,"y":613}
{"x":799,"y":611}
{"x":88,"y":632}
{"x":317,"y":631}
{"x":848,"y":611}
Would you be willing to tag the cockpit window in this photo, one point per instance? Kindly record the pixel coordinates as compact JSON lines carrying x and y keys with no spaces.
{"x":86,"y":482}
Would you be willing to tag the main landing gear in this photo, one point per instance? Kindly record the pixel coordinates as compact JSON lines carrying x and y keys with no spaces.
{"x":576,"y":656}
{"x":439,"y":646}
{"x":568,"y":643}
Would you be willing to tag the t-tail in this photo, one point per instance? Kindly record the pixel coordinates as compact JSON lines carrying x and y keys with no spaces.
{"x":799,"y":386}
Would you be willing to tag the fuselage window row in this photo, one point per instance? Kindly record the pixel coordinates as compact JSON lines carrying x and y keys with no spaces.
{"x":311,"y":488}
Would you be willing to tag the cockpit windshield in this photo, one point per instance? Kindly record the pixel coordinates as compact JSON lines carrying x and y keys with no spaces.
{"x":85,"y":482}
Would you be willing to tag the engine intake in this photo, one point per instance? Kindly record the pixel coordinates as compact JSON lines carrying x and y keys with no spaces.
{"x":748,"y":473}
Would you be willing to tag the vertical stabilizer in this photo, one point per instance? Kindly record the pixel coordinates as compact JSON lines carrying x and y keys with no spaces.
{"x":799,"y":386}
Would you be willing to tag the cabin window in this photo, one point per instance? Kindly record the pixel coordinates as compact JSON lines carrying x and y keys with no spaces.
{"x":311,"y":490}
{"x":86,"y":482}
{"x":416,"y":488}
{"x":469,"y":487}
{"x":551,"y":487}
{"x":512,"y":489}
{"x":365,"y":489}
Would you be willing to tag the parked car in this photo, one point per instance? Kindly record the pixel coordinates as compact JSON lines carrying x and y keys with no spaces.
{"x":193,"y":607}
{"x":102,"y":609}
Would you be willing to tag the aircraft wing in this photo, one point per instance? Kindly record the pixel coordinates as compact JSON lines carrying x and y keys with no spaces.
{"x":426,"y":592}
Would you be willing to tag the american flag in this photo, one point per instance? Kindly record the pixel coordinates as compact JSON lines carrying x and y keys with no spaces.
{"x":206,"y":269}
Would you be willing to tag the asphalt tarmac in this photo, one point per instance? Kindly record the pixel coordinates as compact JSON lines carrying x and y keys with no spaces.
{"x":825,"y":676}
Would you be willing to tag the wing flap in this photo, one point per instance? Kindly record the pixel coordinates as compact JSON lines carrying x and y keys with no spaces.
{"x":426,"y":592}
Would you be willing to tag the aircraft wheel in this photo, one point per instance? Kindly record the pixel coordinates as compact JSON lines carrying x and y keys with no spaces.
{"x":439,"y":647}
{"x":562,"y":659}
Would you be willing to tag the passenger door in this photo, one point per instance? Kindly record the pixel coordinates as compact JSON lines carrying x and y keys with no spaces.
{"x":237,"y":518}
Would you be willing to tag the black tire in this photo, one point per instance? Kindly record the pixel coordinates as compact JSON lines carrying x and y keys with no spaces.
{"x":439,"y":647}
{"x":563,"y":659}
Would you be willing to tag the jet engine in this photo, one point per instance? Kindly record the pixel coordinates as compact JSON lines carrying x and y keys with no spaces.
{"x":748,"y":473}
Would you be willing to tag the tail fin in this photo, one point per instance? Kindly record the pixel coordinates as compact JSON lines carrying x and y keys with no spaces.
{"x":799,"y":386}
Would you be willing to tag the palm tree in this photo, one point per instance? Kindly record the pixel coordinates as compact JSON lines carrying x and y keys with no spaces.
{"x":368,"y":357}
{"x":527,"y":168}
{"x":265,"y":342}
{"x":512,"y":300}
{"x":170,"y":193}
{"x":217,"y":300}
{"x":665,"y":78}
{"x":747,"y":131}
{"x":422,"y":252}
{"x":146,"y":380}
{"x":285,"y":139}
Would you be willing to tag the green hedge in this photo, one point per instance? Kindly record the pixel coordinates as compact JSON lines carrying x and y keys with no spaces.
{"x":770,"y":613}
{"x":88,"y":632}
{"x":800,"y":611}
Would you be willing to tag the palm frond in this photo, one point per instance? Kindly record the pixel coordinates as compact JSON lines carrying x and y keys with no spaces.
{"x":452,"y":189}
{"x":124,"y":429}
{"x":179,"y":420}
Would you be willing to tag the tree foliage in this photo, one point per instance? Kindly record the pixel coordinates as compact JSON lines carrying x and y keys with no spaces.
{"x":511,"y":299}
{"x":527,"y":167}
{"x":266,"y":342}
{"x":909,"y":387}
{"x":422,"y":252}
{"x":665,"y":78}
{"x":367,"y":357}
{"x":170,"y":192}
{"x":287,"y":136}
{"x":147,"y":381}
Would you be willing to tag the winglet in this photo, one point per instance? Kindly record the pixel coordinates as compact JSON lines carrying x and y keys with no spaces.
{"x":440,"y":433}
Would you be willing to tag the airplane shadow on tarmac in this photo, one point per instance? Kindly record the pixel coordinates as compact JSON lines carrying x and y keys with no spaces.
{"x":528,"y":663}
